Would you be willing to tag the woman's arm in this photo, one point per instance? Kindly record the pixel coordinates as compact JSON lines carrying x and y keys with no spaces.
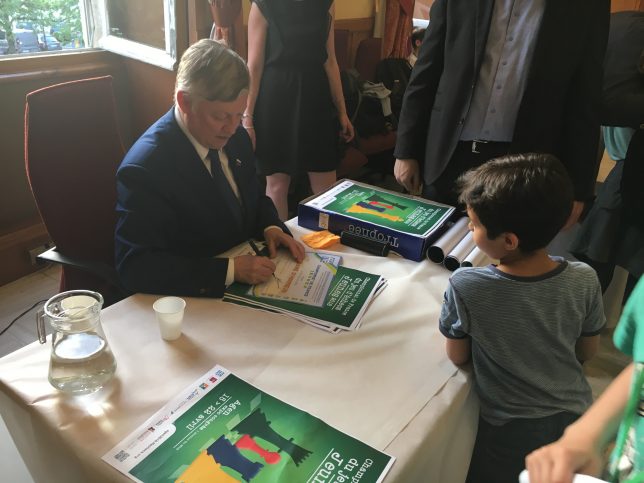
{"x":333,"y":74}
{"x":257,"y":28}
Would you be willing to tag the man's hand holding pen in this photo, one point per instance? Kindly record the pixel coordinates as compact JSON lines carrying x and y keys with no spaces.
{"x":253,"y":270}
{"x":258,"y":269}
{"x":260,"y":254}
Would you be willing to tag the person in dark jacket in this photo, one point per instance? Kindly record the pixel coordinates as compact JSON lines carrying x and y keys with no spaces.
{"x":499,"y":77}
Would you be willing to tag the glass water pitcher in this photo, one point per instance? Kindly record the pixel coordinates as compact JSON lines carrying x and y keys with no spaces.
{"x":81,"y":360}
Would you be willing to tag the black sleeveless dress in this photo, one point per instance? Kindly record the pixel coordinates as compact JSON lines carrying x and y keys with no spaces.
{"x":295,"y":120}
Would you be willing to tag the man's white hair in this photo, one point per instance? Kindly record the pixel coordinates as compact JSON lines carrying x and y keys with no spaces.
{"x":210,"y":70}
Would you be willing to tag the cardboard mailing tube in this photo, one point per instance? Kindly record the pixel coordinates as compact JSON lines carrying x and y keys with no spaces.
{"x":476,"y":258}
{"x":436,"y":253}
{"x":459,"y":252}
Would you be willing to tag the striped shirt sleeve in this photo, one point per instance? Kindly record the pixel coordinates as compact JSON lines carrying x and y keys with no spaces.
{"x":450,"y":324}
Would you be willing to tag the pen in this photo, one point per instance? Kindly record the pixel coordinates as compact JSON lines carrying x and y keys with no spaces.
{"x":257,"y":251}
{"x":254,"y":247}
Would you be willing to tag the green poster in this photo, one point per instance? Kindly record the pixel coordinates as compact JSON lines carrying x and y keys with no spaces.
{"x":390,"y":210}
{"x":222,"y":429}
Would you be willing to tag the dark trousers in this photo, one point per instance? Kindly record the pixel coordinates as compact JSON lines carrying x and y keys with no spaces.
{"x":605,"y":272}
{"x":500,"y":451}
{"x":444,"y":189}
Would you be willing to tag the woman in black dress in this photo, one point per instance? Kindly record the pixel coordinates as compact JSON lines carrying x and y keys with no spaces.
{"x":295,"y":103}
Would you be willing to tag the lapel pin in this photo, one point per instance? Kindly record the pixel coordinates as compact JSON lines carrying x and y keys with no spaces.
{"x":238,"y":162}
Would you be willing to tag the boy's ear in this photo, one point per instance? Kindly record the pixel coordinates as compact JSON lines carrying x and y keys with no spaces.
{"x":510,"y":240}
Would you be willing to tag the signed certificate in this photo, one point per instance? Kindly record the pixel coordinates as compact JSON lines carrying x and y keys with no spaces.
{"x":305,"y":283}
{"x":319,"y":291}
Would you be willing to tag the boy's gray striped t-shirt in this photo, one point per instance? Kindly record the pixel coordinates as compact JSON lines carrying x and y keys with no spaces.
{"x":523,"y":332}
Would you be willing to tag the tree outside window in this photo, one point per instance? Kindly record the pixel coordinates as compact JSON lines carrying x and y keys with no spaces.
{"x":57,"y":20}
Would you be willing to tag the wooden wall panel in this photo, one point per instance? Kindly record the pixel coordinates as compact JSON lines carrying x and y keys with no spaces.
{"x":14,"y":250}
{"x":360,"y":29}
{"x":199,"y":21}
{"x":619,"y":5}
{"x":152,"y":90}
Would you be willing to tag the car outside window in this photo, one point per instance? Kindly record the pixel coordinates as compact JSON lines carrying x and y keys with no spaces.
{"x":48,"y":42}
{"x":4,"y":43}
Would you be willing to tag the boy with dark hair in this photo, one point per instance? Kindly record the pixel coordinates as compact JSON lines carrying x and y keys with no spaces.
{"x":525,"y":323}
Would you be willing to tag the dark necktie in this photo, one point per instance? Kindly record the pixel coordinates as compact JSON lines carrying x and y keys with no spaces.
{"x":222,"y":182}
{"x":215,"y":163}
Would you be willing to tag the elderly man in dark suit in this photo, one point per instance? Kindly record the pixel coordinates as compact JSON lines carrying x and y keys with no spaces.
{"x":503,"y":76}
{"x":187,"y":190}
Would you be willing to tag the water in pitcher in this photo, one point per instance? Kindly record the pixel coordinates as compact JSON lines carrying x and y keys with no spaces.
{"x":81,"y":363}
{"x":81,"y":360}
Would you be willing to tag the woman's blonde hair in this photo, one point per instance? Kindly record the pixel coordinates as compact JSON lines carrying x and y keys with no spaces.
{"x":210,"y":70}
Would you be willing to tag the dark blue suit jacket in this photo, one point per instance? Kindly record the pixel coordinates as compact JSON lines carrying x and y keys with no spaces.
{"x":174,"y":217}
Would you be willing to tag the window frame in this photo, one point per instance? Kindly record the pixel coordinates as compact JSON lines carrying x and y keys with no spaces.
{"x":175,"y":34}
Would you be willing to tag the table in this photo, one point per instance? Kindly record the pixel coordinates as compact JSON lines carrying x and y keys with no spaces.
{"x":388,"y":383}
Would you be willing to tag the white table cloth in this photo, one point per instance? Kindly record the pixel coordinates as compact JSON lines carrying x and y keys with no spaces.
{"x":389,"y":383}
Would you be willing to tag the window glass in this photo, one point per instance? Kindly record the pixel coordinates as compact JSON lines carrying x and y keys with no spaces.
{"x":32,"y":26}
{"x":145,"y":30}
{"x":126,"y":19}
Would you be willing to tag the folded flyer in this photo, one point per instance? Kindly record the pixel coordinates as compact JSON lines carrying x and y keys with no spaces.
{"x":222,"y":429}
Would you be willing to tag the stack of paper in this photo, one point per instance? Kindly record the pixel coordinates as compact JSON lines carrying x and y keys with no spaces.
{"x":319,"y":291}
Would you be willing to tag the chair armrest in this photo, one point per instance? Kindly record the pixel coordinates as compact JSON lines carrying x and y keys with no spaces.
{"x":377,"y":143}
{"x":351,"y":162}
{"x":102,"y":270}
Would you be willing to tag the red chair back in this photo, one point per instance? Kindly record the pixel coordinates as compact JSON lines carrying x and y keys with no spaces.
{"x":341,"y":41}
{"x":72,"y":151}
{"x":368,"y":55}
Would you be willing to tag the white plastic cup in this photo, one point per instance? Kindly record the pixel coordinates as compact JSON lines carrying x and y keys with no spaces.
{"x":524,"y":477}
{"x":169,"y":312}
